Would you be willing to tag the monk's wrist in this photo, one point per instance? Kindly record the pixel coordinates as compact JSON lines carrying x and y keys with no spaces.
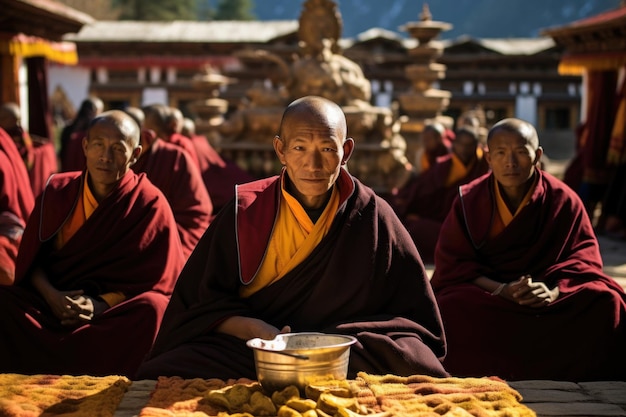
{"x":499,"y":289}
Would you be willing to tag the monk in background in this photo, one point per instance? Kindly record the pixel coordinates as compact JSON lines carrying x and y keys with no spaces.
{"x":436,"y":142}
{"x":518,"y":274}
{"x":16,"y":203}
{"x":71,"y":153}
{"x":424,"y":202}
{"x":96,"y":267}
{"x":220,"y":176}
{"x":311,"y":249}
{"x":37,"y":153}
{"x":174,"y":172}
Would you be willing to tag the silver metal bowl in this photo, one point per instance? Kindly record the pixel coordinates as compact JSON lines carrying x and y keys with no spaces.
{"x":300,"y":359}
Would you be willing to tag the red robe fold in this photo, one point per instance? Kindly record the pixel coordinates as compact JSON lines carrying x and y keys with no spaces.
{"x":185,"y":143}
{"x":16,"y":203}
{"x":365,"y":278}
{"x":129,"y":244}
{"x":73,"y":155}
{"x":424,"y":203}
{"x":580,"y":336}
{"x":176,"y":175}
{"x":219,"y":175}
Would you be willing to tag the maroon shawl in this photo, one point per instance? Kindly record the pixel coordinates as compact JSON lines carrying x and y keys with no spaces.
{"x":15,"y":193}
{"x":219,"y":175}
{"x":365,"y":278}
{"x":73,"y":155}
{"x":16,"y":203}
{"x":185,"y":143}
{"x":579,"y":336}
{"x":174,"y":173}
{"x":44,"y":165}
{"x":129,"y":244}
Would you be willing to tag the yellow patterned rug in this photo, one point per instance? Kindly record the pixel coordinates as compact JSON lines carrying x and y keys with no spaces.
{"x":372,"y":395}
{"x":60,"y":395}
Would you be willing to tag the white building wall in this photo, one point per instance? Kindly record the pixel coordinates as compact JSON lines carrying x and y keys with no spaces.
{"x":74,"y":80}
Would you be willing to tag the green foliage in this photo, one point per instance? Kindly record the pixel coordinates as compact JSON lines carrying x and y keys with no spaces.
{"x":234,"y":10}
{"x":156,"y":9}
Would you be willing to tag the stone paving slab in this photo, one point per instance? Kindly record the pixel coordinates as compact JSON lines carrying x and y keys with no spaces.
{"x":564,"y":399}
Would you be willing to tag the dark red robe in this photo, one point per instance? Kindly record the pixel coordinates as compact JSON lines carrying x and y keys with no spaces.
{"x":176,"y":175}
{"x":580,"y":336}
{"x":16,"y":203}
{"x":73,"y":155}
{"x":185,"y":143}
{"x":424,"y":203}
{"x":219,"y":175}
{"x":365,"y":279}
{"x":129,"y":244}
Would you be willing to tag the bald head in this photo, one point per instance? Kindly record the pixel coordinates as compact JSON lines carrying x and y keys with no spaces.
{"x":10,"y":115}
{"x":124,"y":122}
{"x":516,"y":126}
{"x":317,"y":109}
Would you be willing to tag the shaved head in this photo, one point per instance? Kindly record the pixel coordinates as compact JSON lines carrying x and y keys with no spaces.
{"x":517,"y":126}
{"x":126,"y":124}
{"x":317,"y":109}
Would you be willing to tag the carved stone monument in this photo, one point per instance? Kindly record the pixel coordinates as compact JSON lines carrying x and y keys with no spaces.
{"x":423,"y":103}
{"x":319,"y":69}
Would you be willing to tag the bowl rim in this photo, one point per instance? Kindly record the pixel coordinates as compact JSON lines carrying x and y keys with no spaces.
{"x":350,"y":340}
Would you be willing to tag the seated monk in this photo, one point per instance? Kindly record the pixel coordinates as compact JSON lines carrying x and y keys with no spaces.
{"x":38,"y":154}
{"x":16,"y":203}
{"x":518,"y":274}
{"x":436,"y":142}
{"x":173,"y":171}
{"x":219,"y":175}
{"x":172,"y":127}
{"x":98,"y":261}
{"x":312,"y":249}
{"x":424,"y":202}
{"x":71,"y":154}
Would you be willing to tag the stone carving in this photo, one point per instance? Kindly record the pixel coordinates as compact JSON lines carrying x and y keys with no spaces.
{"x":319,"y":69}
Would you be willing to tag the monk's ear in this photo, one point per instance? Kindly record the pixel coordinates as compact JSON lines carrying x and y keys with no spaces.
{"x":85,"y":143}
{"x":148,"y":136}
{"x":136,"y":154}
{"x":348,"y":148}
{"x":279,"y":148}
{"x":538,"y":155}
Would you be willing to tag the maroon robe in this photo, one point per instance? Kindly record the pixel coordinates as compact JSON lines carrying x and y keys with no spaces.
{"x":45,"y":163}
{"x":580,"y":336}
{"x":424,"y":203}
{"x":219,"y":175}
{"x":176,"y":175}
{"x":129,"y":244}
{"x":365,"y":279}
{"x":16,"y":203}
{"x":73,"y":155}
{"x":185,"y":143}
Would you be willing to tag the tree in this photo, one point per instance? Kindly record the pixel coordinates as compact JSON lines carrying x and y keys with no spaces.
{"x":234,"y":10}
{"x":156,"y":9}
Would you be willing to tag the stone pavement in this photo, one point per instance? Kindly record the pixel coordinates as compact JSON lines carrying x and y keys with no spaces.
{"x":565,"y":399}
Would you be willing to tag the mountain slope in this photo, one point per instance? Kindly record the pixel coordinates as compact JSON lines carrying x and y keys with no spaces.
{"x":477,"y":18}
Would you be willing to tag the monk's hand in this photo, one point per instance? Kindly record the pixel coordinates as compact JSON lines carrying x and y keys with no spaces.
{"x":532,"y":294}
{"x":59,"y":305}
{"x":85,"y":307}
{"x":247,"y":328}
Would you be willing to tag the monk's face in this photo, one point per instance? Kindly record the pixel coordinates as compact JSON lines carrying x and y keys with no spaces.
{"x":108,"y":154}
{"x":431,"y":140}
{"x":511,"y":158}
{"x":464,"y":147}
{"x":313,"y":147}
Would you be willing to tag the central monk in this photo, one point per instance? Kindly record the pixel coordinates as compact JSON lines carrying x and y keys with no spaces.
{"x":312,"y":249}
